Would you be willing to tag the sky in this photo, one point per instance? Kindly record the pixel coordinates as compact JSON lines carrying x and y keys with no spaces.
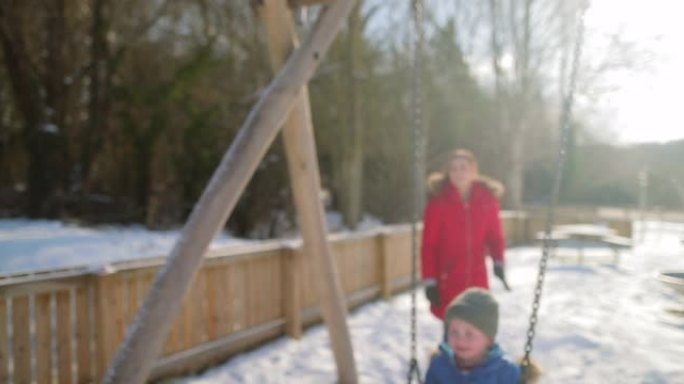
{"x":642,"y":104}
{"x":645,"y":106}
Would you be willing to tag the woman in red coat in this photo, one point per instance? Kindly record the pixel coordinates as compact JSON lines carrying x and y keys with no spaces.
{"x":461,"y":225}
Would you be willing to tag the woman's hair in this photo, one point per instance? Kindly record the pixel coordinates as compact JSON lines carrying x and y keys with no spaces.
{"x":460,"y":153}
{"x":436,"y":180}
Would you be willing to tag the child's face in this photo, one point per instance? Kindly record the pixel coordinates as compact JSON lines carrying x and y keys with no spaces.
{"x":468,"y":342}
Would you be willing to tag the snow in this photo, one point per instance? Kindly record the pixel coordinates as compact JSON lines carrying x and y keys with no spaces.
{"x":27,"y":245}
{"x":335,"y":222}
{"x":598,"y":322}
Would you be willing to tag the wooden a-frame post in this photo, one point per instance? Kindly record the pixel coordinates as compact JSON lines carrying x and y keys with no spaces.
{"x":135,"y":358}
{"x":300,"y":148}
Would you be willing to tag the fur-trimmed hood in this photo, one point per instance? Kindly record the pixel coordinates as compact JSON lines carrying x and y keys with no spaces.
{"x":436,"y":182}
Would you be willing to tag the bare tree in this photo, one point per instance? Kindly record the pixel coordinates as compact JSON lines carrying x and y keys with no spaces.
{"x":100,"y":84}
{"x":42,"y":137}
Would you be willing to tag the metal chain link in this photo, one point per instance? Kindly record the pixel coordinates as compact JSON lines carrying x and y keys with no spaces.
{"x":418,"y":170}
{"x":565,"y":124}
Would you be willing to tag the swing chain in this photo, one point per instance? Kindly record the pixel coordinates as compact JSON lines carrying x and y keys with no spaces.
{"x":566,"y":126}
{"x":418,"y":170}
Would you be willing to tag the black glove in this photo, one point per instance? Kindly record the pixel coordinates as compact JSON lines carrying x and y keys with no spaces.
{"x":501,"y":274}
{"x":432,"y":294}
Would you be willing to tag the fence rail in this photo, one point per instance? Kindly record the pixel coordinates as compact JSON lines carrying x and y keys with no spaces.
{"x":65,"y":326}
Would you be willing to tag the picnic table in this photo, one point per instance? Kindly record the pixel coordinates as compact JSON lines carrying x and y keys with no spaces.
{"x":583,"y":236}
{"x":673,"y":279}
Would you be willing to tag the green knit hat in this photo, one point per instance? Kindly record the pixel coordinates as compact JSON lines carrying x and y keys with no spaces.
{"x":477,"y":307}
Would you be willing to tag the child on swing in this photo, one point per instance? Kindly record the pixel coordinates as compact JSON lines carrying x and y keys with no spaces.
{"x":470,"y":353}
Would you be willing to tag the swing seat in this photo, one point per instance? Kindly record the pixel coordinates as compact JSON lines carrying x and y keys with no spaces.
{"x":673,"y":279}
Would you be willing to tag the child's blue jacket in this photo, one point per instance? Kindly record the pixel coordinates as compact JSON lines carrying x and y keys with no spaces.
{"x":496,"y":369}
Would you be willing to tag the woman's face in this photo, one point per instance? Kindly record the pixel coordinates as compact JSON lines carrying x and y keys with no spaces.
{"x":461,"y":172}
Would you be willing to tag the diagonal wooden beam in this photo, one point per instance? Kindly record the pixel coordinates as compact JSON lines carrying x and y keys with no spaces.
{"x":300,"y":148}
{"x":144,"y":340}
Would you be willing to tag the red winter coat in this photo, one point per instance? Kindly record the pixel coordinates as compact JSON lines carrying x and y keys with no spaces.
{"x":456,"y":237}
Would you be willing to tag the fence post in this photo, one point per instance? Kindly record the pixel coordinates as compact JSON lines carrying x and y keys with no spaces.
{"x":385,"y":271}
{"x":518,"y":228}
{"x":65,"y":362}
{"x":292,"y":289}
{"x":4,"y":347}
{"x":105,"y":341}
{"x":526,"y":227}
{"x":84,"y":331}
{"x":21,"y":340}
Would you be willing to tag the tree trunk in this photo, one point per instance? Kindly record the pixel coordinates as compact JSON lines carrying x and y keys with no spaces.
{"x":521,"y":122}
{"x":42,"y":139}
{"x":513,"y":96}
{"x":99,"y":102}
{"x":563,"y":76}
{"x":352,"y":152}
{"x":56,"y":98}
{"x":516,"y":172}
{"x":504,"y":111}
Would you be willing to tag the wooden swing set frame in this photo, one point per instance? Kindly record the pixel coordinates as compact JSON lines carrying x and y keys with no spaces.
{"x":284,"y":104}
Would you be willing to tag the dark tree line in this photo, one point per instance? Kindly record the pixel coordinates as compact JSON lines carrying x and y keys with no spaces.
{"x":119,"y":111}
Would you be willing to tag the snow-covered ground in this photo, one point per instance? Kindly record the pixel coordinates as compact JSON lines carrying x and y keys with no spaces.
{"x":27,"y":245}
{"x":598,"y":323}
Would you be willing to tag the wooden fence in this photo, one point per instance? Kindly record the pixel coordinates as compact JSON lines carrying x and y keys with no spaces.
{"x":65,"y":326}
